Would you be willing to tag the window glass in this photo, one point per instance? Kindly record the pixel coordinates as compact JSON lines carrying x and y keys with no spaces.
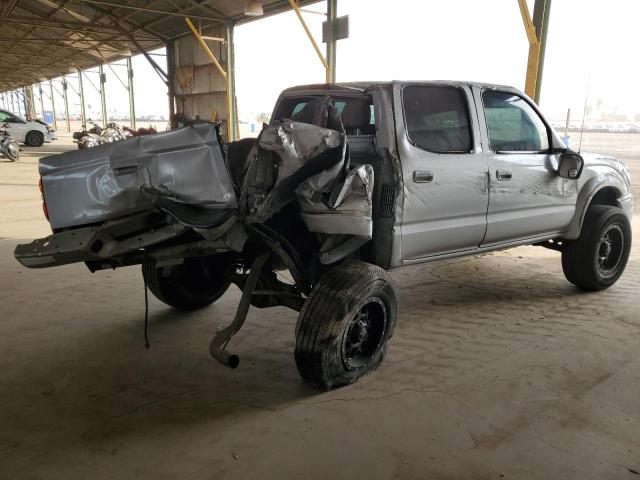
{"x":5,"y":117}
{"x":437,"y":118}
{"x":512,"y":125}
{"x":356,"y":111}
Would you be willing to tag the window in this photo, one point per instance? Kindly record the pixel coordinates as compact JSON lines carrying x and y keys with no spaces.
{"x":437,"y":118}
{"x":7,"y":117}
{"x":513,"y":125}
{"x":356,"y":112}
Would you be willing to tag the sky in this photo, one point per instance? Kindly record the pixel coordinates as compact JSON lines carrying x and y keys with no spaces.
{"x":591,"y":52}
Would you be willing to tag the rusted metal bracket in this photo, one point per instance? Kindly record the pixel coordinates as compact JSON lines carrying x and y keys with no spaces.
{"x":219,"y":342}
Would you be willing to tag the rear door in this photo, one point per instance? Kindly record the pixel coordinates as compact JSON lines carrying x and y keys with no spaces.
{"x":527,"y":198}
{"x":444,"y":169}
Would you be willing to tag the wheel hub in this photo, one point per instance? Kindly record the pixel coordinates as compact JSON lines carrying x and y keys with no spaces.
{"x":610,"y":250}
{"x":364,"y":334}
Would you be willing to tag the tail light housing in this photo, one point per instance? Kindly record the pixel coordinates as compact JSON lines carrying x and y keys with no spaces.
{"x":44,"y":203}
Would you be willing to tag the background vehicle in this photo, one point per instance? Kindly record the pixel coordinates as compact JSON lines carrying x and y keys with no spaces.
{"x":8,"y":146}
{"x":346,"y":181}
{"x":30,"y":132}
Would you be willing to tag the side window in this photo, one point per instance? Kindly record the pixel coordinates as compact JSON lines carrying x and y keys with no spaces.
{"x":5,"y":117}
{"x":512,"y":125}
{"x":437,"y":118}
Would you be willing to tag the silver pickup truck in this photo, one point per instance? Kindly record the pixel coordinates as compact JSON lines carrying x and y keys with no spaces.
{"x":345,"y":182}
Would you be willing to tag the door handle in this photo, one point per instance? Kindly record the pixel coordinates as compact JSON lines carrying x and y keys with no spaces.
{"x":503,"y":174}
{"x":422,"y":176}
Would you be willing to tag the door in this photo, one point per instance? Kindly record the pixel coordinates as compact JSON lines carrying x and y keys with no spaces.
{"x":444,"y":169}
{"x":527,"y":198}
{"x":15,"y":126}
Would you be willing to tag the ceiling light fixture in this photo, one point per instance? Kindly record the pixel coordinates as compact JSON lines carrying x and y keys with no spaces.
{"x":253,"y":8}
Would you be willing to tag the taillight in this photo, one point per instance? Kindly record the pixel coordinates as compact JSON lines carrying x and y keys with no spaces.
{"x":45,"y":210}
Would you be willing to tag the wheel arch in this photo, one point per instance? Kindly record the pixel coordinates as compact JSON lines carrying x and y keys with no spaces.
{"x":597,"y":191}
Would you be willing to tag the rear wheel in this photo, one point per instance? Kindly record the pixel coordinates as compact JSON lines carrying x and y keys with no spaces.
{"x":192,"y":285}
{"x":344,"y":325}
{"x":34,"y":138}
{"x":598,"y":257}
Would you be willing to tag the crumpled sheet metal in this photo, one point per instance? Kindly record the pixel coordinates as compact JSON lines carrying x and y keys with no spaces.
{"x":301,"y":162}
{"x":102,"y":183}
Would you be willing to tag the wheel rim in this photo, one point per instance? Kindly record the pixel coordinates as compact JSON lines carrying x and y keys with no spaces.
{"x":364,"y":334}
{"x":610,"y":248}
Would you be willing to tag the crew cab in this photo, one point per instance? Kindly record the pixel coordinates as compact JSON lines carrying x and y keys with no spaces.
{"x":345,"y":182}
{"x":30,"y":132}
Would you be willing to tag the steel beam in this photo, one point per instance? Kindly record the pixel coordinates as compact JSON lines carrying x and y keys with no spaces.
{"x":41,"y":99}
{"x":83,"y":113}
{"x":65,"y":85}
{"x":103,"y":97}
{"x":171,"y":74}
{"x":231,"y":84}
{"x":534,"y":49}
{"x":332,"y":43}
{"x":541,"y":13}
{"x":53,"y":106}
{"x":323,"y":60}
{"x":132,"y":104}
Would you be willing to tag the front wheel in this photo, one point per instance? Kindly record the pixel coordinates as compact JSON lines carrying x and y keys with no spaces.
{"x":598,"y":257}
{"x":192,"y":285}
{"x":344,"y":325}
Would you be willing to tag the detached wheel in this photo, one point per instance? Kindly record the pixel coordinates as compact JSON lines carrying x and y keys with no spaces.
{"x":193,"y":285}
{"x":598,"y":257}
{"x":34,"y":138}
{"x":344,"y":325}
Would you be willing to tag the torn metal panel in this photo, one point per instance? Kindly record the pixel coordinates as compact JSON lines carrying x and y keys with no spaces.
{"x":286,"y":154}
{"x":185,"y":166}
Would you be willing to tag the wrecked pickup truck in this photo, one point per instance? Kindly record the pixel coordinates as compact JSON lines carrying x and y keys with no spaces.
{"x":344,"y":183}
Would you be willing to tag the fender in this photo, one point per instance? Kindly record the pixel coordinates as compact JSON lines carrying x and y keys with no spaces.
{"x":589,"y":190}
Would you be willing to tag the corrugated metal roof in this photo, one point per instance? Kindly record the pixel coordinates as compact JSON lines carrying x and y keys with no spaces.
{"x":46,"y":38}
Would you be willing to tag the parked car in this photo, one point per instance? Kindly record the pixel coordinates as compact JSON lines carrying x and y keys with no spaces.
{"x":344,"y":183}
{"x":30,"y":132}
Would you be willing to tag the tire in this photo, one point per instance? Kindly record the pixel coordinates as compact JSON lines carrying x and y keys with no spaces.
{"x":598,"y":257}
{"x":34,"y":138}
{"x":193,"y":285}
{"x":344,"y":325}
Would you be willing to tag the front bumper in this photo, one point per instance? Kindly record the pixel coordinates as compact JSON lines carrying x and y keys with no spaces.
{"x":50,"y":137}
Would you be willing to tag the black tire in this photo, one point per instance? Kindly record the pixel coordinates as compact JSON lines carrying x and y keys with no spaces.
{"x":34,"y":138}
{"x":344,"y":325}
{"x":598,"y":257}
{"x":192,"y":285}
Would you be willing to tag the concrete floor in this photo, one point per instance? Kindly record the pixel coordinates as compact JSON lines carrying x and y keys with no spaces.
{"x":499,"y":368}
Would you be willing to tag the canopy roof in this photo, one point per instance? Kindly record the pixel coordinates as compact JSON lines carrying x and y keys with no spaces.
{"x":47,"y":38}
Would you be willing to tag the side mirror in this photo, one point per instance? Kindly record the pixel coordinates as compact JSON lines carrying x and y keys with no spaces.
{"x":570,"y":165}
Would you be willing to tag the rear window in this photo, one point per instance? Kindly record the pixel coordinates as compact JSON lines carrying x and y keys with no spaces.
{"x":357,"y":113}
{"x":437,"y":118}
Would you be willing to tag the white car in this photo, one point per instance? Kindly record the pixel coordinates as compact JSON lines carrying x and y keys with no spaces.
{"x":30,"y":132}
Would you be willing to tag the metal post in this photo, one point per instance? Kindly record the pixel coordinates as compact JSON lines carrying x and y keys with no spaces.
{"x":171,"y":66}
{"x":53,"y":106}
{"x":28,"y":95}
{"x":323,"y":60}
{"x":132,"y":105}
{"x":24,"y":102}
{"x":83,"y":114}
{"x":541,"y":12}
{"x":534,"y":49}
{"x":231,"y":84}
{"x":103,"y":98}
{"x":332,"y":44}
{"x":41,"y":100}
{"x":13,"y":102}
{"x":66,"y":102}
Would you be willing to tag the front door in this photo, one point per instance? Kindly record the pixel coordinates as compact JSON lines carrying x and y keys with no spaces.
{"x":527,"y":198}
{"x":444,"y":169}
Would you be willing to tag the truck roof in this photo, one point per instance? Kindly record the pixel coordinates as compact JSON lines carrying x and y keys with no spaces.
{"x":363,"y":85}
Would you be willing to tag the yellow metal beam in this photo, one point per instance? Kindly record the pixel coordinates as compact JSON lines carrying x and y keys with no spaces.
{"x":323,"y":60}
{"x":534,"y":50}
